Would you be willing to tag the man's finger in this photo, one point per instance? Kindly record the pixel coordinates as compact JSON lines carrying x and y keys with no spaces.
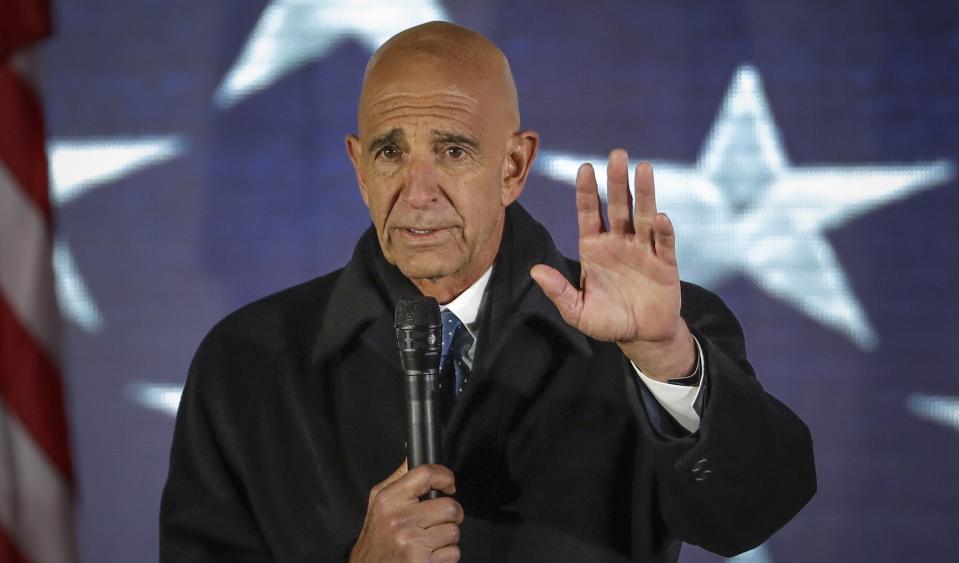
{"x":408,"y":488}
{"x":645,"y":202}
{"x":448,"y":554}
{"x":589,"y":213}
{"x":568,"y":299}
{"x":433,"y":512}
{"x":665,"y":239}
{"x":618,"y":200}
{"x":438,"y":537}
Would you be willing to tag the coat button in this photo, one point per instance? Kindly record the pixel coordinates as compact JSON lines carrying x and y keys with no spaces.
{"x":700,"y":470}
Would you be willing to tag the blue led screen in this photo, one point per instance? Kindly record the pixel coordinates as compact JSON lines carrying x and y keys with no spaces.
{"x":806,"y":151}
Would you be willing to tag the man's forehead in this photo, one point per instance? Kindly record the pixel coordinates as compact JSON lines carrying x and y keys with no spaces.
{"x":419,"y":107}
{"x":425,"y":79}
{"x":410,"y":93}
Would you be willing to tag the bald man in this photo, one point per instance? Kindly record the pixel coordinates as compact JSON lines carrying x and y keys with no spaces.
{"x":584,"y":431}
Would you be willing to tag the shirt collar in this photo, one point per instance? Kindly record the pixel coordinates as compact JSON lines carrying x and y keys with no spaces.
{"x":466,"y":306}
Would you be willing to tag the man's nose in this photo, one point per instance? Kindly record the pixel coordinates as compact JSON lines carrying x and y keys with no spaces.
{"x":421,"y":186}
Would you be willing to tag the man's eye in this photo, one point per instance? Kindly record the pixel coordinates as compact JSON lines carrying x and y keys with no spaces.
{"x":390,"y":152}
{"x":455,"y":152}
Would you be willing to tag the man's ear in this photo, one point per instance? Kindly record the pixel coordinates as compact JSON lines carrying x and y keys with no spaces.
{"x":519,"y":160}
{"x":354,"y":150}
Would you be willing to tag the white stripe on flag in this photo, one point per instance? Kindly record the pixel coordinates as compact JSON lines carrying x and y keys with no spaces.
{"x":26,"y":269}
{"x":36,"y":507}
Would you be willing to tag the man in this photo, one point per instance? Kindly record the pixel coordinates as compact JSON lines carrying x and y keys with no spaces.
{"x":567,"y":440}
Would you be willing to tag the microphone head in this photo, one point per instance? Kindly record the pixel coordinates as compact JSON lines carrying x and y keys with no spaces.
{"x":418,"y":327}
{"x":417,"y":312}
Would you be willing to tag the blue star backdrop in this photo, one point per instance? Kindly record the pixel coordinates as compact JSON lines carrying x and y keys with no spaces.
{"x":807,"y":152}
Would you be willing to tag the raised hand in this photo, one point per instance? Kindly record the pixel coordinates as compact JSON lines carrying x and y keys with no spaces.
{"x":401,"y":527}
{"x":629,"y":287}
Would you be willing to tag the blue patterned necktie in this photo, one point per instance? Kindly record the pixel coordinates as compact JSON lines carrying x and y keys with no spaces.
{"x":455,"y":358}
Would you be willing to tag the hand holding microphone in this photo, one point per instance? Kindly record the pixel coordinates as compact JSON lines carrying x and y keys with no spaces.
{"x":407,"y":519}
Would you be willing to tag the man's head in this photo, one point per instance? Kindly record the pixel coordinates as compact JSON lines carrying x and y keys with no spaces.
{"x":438,"y":155}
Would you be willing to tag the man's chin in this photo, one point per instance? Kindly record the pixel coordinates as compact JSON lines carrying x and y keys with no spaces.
{"x":431,"y":267}
{"x":425,"y":272}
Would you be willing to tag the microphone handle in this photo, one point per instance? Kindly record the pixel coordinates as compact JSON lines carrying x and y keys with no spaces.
{"x":422,"y":426}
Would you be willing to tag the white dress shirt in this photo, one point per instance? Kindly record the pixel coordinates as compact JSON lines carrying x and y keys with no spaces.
{"x":678,"y":400}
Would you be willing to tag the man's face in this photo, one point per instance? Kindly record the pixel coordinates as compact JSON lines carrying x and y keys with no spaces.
{"x":432,"y":163}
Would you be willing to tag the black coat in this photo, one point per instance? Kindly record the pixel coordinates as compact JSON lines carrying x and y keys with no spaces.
{"x":293,"y":410}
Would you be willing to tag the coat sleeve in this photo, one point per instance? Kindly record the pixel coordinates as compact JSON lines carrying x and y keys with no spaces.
{"x":749,"y":469}
{"x":204,"y":514}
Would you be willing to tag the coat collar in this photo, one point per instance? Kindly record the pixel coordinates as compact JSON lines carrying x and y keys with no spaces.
{"x":364,"y":295}
{"x":514,"y":298}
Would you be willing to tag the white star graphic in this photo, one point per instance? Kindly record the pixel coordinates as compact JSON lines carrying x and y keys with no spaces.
{"x":757,"y":555}
{"x":743,"y":207}
{"x":78,"y":166}
{"x":157,"y":396}
{"x":941,"y":409}
{"x":292,"y":32}
{"x":73,"y":297}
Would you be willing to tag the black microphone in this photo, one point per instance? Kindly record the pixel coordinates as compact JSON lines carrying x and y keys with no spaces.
{"x":419,"y":339}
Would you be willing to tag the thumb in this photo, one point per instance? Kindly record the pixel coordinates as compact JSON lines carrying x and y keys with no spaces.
{"x":568,"y":299}
{"x":378,"y":488}
{"x":397,"y":473}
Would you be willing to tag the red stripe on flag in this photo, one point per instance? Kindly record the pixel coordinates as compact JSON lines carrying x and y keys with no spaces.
{"x":8,"y":550}
{"x":22,"y":148}
{"x":31,"y":387}
{"x":30,"y":384}
{"x":21,"y":23}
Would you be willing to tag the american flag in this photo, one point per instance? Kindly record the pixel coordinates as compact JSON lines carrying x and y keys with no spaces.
{"x":36,"y":477}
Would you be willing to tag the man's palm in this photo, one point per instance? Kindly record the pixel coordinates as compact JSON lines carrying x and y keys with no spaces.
{"x":629,"y":287}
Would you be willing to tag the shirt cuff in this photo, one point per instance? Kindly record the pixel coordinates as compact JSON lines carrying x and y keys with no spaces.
{"x":678,"y":400}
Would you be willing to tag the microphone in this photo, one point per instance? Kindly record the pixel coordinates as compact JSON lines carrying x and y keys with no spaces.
{"x":419,"y":339}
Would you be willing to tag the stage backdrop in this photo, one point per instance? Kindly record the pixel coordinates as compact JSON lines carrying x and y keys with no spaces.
{"x":807,"y":152}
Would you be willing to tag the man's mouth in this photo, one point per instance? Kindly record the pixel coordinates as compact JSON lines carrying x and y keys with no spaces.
{"x":422,"y":235}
